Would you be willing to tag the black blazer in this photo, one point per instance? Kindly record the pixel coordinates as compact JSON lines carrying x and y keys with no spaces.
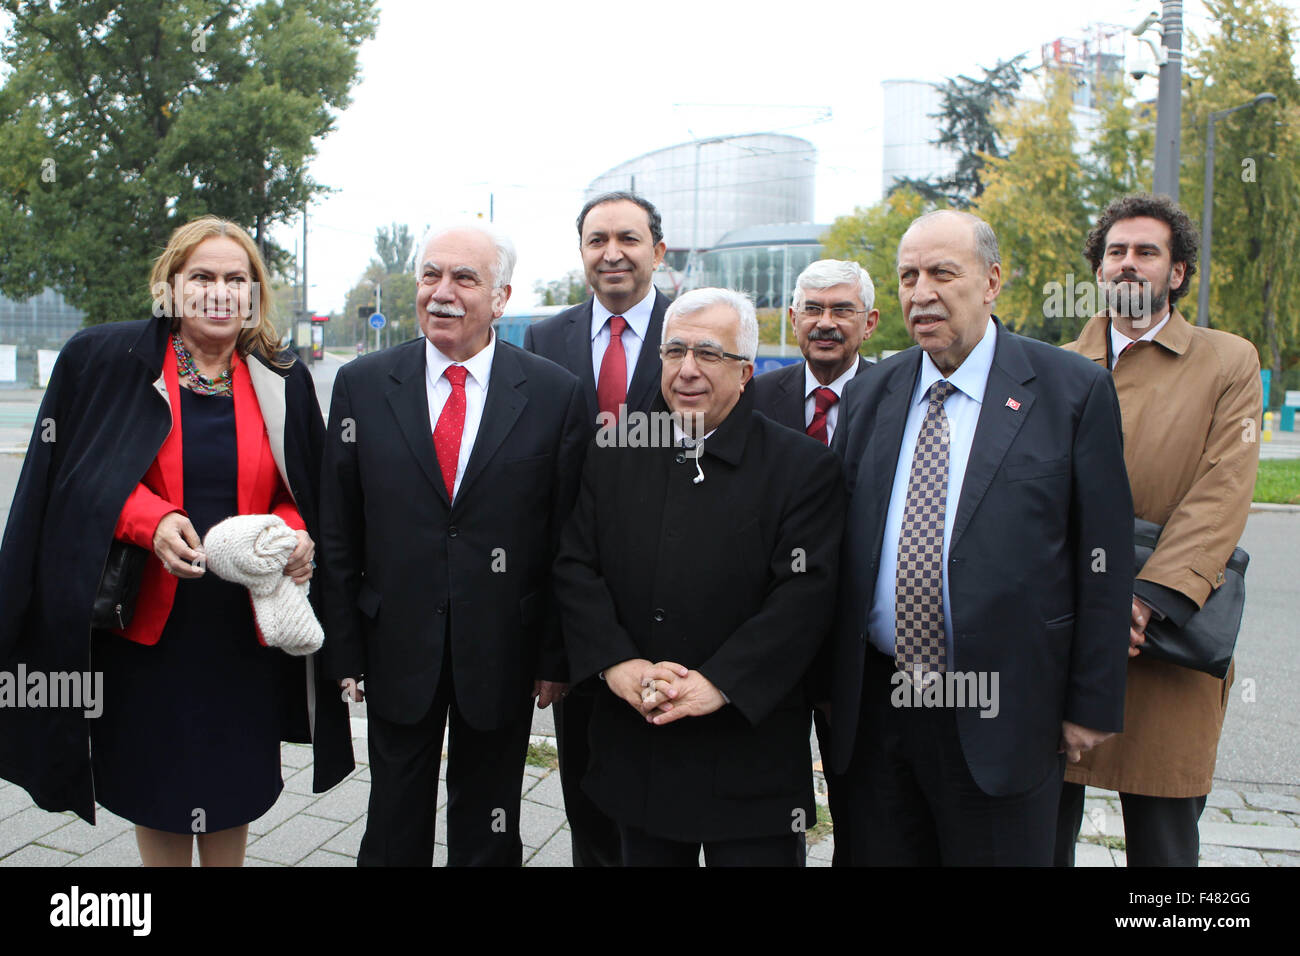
{"x":402,"y":559}
{"x":1040,"y":565}
{"x":565,"y":339}
{"x":106,"y":422}
{"x":734,"y":577}
{"x":779,"y":394}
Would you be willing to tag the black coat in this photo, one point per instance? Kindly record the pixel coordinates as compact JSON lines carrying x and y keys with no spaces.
{"x":1045,"y":492}
{"x":565,"y":339}
{"x":402,"y":558}
{"x":779,"y":394}
{"x":106,"y":421}
{"x":733,"y":577}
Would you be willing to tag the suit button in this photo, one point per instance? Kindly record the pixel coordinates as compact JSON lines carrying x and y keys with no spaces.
{"x":681,"y":459}
{"x":452,"y":531}
{"x":442,"y":607}
{"x":659,"y":615}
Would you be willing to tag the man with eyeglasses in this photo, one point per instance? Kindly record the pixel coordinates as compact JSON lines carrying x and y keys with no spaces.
{"x":698,"y":581}
{"x":832,"y":315}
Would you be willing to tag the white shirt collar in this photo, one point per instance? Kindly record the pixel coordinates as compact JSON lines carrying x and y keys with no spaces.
{"x":1119,"y":341}
{"x":479,"y":365}
{"x":970,"y":377}
{"x":637,"y":317}
{"x":810,"y":380}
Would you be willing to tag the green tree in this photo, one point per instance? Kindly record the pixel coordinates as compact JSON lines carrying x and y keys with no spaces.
{"x":569,"y":290}
{"x":1033,"y":199}
{"x":122,"y":120}
{"x":967,"y":126}
{"x":1255,"y":279}
{"x":395,"y":247}
{"x":870,"y":238}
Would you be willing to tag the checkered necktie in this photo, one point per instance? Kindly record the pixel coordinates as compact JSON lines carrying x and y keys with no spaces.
{"x":918,"y":589}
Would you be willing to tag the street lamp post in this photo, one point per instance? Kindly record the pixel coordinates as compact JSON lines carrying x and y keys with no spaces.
{"x":1207,"y":207}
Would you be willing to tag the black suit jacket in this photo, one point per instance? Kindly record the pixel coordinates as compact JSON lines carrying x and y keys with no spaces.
{"x":734,"y":577}
{"x":402,"y":558}
{"x":100,"y":426}
{"x":565,"y":339}
{"x":1040,"y":565}
{"x":779,"y":394}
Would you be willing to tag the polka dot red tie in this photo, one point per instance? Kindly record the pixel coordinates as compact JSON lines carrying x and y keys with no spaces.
{"x":823,"y":399}
{"x":450,"y":427}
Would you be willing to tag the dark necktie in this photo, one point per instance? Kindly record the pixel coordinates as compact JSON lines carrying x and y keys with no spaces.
{"x":450,"y":427}
{"x":823,"y":399}
{"x":611,"y":389}
{"x":918,"y":588}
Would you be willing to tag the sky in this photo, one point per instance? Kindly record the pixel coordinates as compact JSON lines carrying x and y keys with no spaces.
{"x":528,"y":102}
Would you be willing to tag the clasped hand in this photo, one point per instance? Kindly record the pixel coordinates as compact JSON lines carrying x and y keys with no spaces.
{"x":663,"y":692}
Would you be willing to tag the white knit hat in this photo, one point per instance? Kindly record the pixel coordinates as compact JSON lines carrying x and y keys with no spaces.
{"x":253,"y":550}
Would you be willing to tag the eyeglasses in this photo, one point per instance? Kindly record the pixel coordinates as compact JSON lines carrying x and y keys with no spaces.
{"x":704,"y":354}
{"x":814,"y":311}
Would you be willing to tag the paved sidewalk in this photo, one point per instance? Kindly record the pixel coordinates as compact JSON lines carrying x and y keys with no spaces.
{"x":1240,"y":827}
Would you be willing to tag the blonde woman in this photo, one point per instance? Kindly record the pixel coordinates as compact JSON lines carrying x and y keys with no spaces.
{"x":151,"y":432}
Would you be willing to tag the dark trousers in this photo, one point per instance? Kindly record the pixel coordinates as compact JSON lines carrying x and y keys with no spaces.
{"x":642,"y":849}
{"x":485,"y":771}
{"x":834,"y":793}
{"x":913,"y":801}
{"x":1158,"y":831}
{"x":594,"y":836}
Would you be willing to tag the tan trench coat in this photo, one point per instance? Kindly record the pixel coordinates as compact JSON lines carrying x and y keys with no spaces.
{"x":1191,"y":401}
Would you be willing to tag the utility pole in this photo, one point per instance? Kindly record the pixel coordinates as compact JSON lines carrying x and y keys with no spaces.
{"x":1169,"y":102}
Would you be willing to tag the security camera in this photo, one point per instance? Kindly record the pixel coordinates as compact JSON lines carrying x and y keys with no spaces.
{"x":1151,"y":18}
{"x":1140,"y":71}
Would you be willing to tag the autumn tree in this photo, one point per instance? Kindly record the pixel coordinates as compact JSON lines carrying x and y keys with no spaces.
{"x":1033,"y":199}
{"x":870,"y":237}
{"x":1254,"y":272}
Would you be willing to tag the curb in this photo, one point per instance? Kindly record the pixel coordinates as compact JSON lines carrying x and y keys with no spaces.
{"x":1281,"y":509}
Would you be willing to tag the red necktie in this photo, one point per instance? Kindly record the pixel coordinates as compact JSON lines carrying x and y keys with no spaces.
{"x":611,"y":390}
{"x":824,"y":399}
{"x":451,"y":425}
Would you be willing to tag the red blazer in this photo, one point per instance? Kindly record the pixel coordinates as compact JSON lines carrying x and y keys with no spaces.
{"x":260,"y":491}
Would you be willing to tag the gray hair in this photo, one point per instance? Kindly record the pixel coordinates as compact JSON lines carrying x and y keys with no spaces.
{"x":506,"y":257}
{"x":698,"y":299}
{"x":825,"y":273}
{"x":986,"y":240}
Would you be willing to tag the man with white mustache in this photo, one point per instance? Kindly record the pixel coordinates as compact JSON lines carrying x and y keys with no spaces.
{"x":450,"y":464}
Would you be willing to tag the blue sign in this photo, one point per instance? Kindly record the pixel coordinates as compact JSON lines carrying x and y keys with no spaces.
{"x":377,"y":320}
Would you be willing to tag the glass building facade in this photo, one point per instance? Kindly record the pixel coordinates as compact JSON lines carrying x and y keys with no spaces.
{"x":763,"y":261}
{"x":706,"y":188}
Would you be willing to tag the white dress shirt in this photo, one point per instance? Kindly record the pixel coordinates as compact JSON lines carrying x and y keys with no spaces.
{"x":1119,"y":341}
{"x":638,"y":322}
{"x":810,"y":383}
{"x":438,"y":387}
{"x":963,"y":410}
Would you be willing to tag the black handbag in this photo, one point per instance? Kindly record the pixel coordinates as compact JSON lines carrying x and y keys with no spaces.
{"x":1206,"y":642}
{"x":119,"y":586}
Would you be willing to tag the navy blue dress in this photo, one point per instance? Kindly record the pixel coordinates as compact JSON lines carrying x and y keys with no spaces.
{"x":188,"y":741}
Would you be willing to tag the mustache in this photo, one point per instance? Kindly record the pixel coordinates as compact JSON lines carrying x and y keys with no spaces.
{"x":826,"y":335}
{"x":444,"y":311}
